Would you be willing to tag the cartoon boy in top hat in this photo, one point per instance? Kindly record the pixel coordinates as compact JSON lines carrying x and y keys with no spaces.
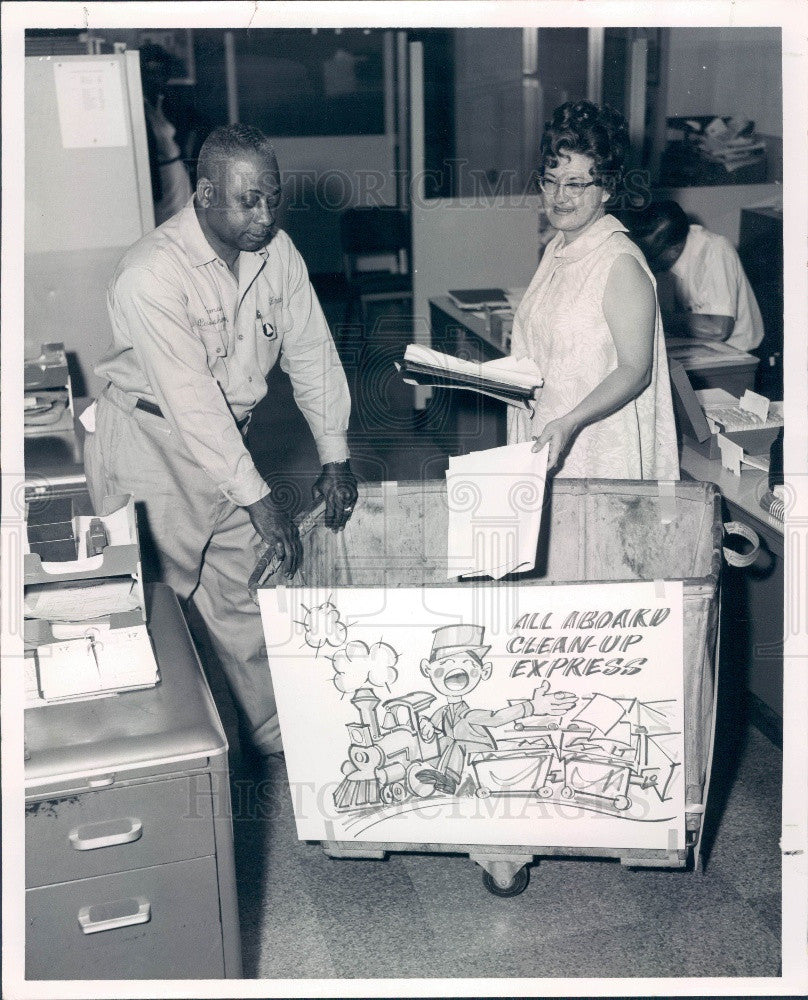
{"x":455,"y":668}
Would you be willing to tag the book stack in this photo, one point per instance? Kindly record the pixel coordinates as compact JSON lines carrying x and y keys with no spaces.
{"x":731,"y":143}
{"x":505,"y":379}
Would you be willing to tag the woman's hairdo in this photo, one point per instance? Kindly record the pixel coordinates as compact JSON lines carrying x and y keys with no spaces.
{"x":583,"y":127}
{"x":229,"y":141}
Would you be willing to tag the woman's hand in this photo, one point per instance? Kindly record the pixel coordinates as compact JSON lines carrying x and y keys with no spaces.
{"x":558,"y":434}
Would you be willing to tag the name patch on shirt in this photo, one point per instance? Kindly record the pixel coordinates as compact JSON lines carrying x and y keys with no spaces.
{"x":216,"y":317}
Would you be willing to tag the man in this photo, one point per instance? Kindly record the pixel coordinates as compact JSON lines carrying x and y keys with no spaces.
{"x":709,"y":296}
{"x":455,"y":668}
{"x":202,"y":308}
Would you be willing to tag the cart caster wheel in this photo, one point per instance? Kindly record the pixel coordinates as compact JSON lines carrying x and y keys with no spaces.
{"x":566,"y":792}
{"x":622,"y":802}
{"x":545,"y":792}
{"x":517,"y":885}
{"x":482,"y":792}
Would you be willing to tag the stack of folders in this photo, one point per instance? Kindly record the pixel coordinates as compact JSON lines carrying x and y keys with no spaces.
{"x":510,"y":381}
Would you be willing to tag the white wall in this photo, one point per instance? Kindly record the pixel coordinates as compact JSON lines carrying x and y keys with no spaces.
{"x":488,"y":104}
{"x":718,"y":207}
{"x":727,"y":71}
{"x":322,"y":176}
{"x":463,"y":243}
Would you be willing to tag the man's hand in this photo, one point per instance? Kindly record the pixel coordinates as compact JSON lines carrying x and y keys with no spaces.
{"x":557,"y":703}
{"x":558,"y":434}
{"x":336,"y":484}
{"x":278,"y":531}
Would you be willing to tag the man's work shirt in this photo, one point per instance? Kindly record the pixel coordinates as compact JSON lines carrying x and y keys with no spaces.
{"x":708,"y":279}
{"x":199,"y":344}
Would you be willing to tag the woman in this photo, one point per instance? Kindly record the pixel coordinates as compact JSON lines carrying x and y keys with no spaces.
{"x":590,"y":318}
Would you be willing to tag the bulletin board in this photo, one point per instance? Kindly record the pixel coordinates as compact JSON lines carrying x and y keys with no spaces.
{"x":87,"y":194}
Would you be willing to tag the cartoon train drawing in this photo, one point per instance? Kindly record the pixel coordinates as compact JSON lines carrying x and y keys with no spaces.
{"x":386,"y":751}
{"x":577,"y":762}
{"x":518,"y":771}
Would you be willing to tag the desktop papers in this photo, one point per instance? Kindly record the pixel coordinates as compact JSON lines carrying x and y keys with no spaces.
{"x":102,"y":660}
{"x":495,"y":502}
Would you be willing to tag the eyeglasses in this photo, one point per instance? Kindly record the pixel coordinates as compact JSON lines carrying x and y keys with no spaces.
{"x":574,"y":189}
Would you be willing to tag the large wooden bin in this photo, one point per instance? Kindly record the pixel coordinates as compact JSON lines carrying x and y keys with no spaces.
{"x":593,"y":530}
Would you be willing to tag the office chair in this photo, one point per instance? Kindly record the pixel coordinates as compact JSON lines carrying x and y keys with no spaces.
{"x":375,"y":232}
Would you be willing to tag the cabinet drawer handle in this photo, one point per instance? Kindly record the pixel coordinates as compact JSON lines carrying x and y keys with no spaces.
{"x":112,"y":916}
{"x":107,"y":834}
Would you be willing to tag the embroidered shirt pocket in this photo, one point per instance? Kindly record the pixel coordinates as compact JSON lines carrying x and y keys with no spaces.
{"x":212,"y":335}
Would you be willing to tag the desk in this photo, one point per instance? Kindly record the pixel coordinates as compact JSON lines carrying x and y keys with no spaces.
{"x":752,"y":597}
{"x":715,"y":366}
{"x":476,"y":422}
{"x":129,"y":867}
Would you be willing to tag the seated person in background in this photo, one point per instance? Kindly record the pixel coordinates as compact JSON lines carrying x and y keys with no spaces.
{"x":710,"y":296}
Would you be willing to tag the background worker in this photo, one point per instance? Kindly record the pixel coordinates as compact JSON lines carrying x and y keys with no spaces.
{"x":704,"y":292}
{"x":171,"y":183}
{"x":202,"y":308}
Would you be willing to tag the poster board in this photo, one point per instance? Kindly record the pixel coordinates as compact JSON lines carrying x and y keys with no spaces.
{"x":530,"y":716}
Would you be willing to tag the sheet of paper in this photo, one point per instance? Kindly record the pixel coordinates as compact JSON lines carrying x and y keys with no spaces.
{"x":524,"y":367}
{"x":114,"y":661}
{"x":523,"y":373}
{"x":126,"y":657}
{"x":496,"y":498}
{"x":601,"y":712}
{"x":89,"y":96}
{"x":761,"y":462}
{"x":67,"y":668}
{"x":731,"y":455}
{"x":70,"y":604}
{"x":753,"y":402}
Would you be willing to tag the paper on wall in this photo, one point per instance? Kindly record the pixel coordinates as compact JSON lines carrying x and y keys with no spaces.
{"x":495,"y":502}
{"x":89,"y":97}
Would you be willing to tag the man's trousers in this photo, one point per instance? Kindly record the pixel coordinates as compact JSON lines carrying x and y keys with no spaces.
{"x":206,"y":546}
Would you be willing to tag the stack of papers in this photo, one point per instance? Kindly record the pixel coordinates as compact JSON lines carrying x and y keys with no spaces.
{"x":104,"y":660}
{"x":510,"y":381}
{"x":495,"y":499}
{"x":732,"y":143}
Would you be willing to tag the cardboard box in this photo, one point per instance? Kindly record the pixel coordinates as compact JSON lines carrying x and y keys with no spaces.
{"x":695,"y":429}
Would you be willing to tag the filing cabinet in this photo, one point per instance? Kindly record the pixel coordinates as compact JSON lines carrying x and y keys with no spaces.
{"x":129,"y":868}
